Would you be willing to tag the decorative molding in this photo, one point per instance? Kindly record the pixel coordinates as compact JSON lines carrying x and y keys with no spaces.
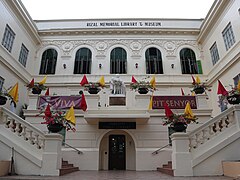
{"x":134,"y":47}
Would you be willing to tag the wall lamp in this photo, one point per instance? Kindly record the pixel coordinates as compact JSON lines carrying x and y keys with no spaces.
{"x":64,"y":66}
{"x":136,"y":65}
{"x":100,"y":66}
{"x":172,"y":65}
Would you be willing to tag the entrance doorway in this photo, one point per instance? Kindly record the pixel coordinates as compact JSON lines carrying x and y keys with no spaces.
{"x":117,"y":152}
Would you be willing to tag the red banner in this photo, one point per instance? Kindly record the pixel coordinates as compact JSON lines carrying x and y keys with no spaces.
{"x":174,"y":102}
{"x":59,"y":102}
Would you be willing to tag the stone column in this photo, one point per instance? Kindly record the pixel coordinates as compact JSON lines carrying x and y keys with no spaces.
{"x":181,"y":157}
{"x":52,"y":155}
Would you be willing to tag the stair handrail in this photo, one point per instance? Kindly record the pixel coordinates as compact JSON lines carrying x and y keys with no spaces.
{"x":212,"y":127}
{"x":78,"y":151}
{"x":158,"y":150}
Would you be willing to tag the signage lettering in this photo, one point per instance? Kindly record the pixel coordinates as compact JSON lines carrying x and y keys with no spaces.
{"x":174,"y":102}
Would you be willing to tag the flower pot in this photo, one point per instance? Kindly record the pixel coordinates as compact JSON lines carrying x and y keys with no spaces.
{"x":93,"y":90}
{"x":3,"y":100}
{"x":142,"y":90}
{"x":36,"y":91}
{"x":199,"y":90}
{"x":234,"y":99}
{"x":54,"y":128}
{"x":179,"y":127}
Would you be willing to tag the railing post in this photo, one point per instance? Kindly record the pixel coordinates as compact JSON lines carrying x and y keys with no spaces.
{"x":237,"y":115}
{"x":33,"y":99}
{"x":181,"y":157}
{"x":51,"y":160}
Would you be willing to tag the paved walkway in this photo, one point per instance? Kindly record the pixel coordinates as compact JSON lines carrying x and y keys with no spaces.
{"x":115,"y":175}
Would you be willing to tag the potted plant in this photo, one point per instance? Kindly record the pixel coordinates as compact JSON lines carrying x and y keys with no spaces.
{"x":56,"y":120}
{"x":233,"y":96}
{"x":179,"y":122}
{"x":92,"y":88}
{"x":143,"y":87}
{"x":37,"y":88}
{"x":199,"y":87}
{"x":4,"y":96}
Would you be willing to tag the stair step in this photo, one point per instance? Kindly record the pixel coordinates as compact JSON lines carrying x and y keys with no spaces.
{"x":168,"y":171}
{"x":68,"y":170}
{"x":167,"y":166}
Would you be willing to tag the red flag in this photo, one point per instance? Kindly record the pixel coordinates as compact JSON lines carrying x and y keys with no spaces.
{"x":84,"y":80}
{"x":48,"y":111}
{"x":182,"y":92}
{"x":168,"y":111}
{"x":134,"y":80}
{"x":83,"y":104}
{"x":47,"y":92}
{"x":31,"y":84}
{"x":221,"y":89}
{"x":194,"y":81}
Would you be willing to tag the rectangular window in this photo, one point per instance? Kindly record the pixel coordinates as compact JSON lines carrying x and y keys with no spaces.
{"x":228,"y":36}
{"x":214,"y":53}
{"x":23,"y":55}
{"x":8,"y":38}
{"x":1,"y":83}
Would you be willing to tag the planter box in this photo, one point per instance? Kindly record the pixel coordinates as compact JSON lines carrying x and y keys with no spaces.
{"x":231,"y":168}
{"x":4,"y":168}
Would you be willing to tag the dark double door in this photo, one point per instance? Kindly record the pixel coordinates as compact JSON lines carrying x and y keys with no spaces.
{"x":117,"y":152}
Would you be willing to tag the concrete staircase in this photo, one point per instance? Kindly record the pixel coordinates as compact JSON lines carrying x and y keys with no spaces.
{"x":166,"y":168}
{"x":67,"y":168}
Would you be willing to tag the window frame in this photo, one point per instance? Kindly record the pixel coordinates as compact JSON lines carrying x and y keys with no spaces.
{"x":153,"y":61}
{"x":214,"y":53}
{"x":228,"y":36}
{"x":187,"y":65}
{"x":48,"y":66}
{"x":8,"y":38}
{"x":118,"y":61}
{"x":23,"y":55}
{"x":83,"y":61}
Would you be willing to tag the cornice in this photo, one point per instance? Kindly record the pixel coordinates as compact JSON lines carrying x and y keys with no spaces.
{"x":25,"y":19}
{"x":212,"y":17}
{"x":125,"y":31}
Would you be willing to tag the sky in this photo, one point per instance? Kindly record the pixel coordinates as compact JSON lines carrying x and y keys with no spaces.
{"x":112,"y":9}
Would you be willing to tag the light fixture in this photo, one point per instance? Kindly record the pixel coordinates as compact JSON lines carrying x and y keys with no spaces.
{"x":172,"y":65}
{"x":64,"y":66}
{"x":100,"y":66}
{"x":136,"y":65}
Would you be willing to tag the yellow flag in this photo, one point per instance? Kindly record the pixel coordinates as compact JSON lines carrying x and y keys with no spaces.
{"x":150,"y":103}
{"x":193,"y":93}
{"x":238,"y":86}
{"x":153,"y":82}
{"x":43,"y":81}
{"x":102,"y":81}
{"x":198,"y":80}
{"x":188,"y":111}
{"x":14,"y":93}
{"x":70,"y":116}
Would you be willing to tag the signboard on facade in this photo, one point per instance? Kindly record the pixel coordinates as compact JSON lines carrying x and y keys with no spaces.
{"x":174,"y":102}
{"x":59,"y":102}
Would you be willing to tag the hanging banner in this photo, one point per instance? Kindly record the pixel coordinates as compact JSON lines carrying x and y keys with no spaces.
{"x":59,"y":102}
{"x":174,"y":102}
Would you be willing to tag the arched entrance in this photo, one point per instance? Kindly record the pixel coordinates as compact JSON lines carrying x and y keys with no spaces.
{"x":117,"y":151}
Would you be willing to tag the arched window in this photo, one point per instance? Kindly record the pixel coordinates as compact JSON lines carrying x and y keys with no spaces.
{"x":118,"y":61}
{"x":188,"y":61}
{"x":83,"y":61}
{"x":153,"y":61}
{"x":48,"y":62}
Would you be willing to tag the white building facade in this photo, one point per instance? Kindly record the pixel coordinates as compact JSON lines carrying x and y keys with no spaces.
{"x":122,"y":136}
